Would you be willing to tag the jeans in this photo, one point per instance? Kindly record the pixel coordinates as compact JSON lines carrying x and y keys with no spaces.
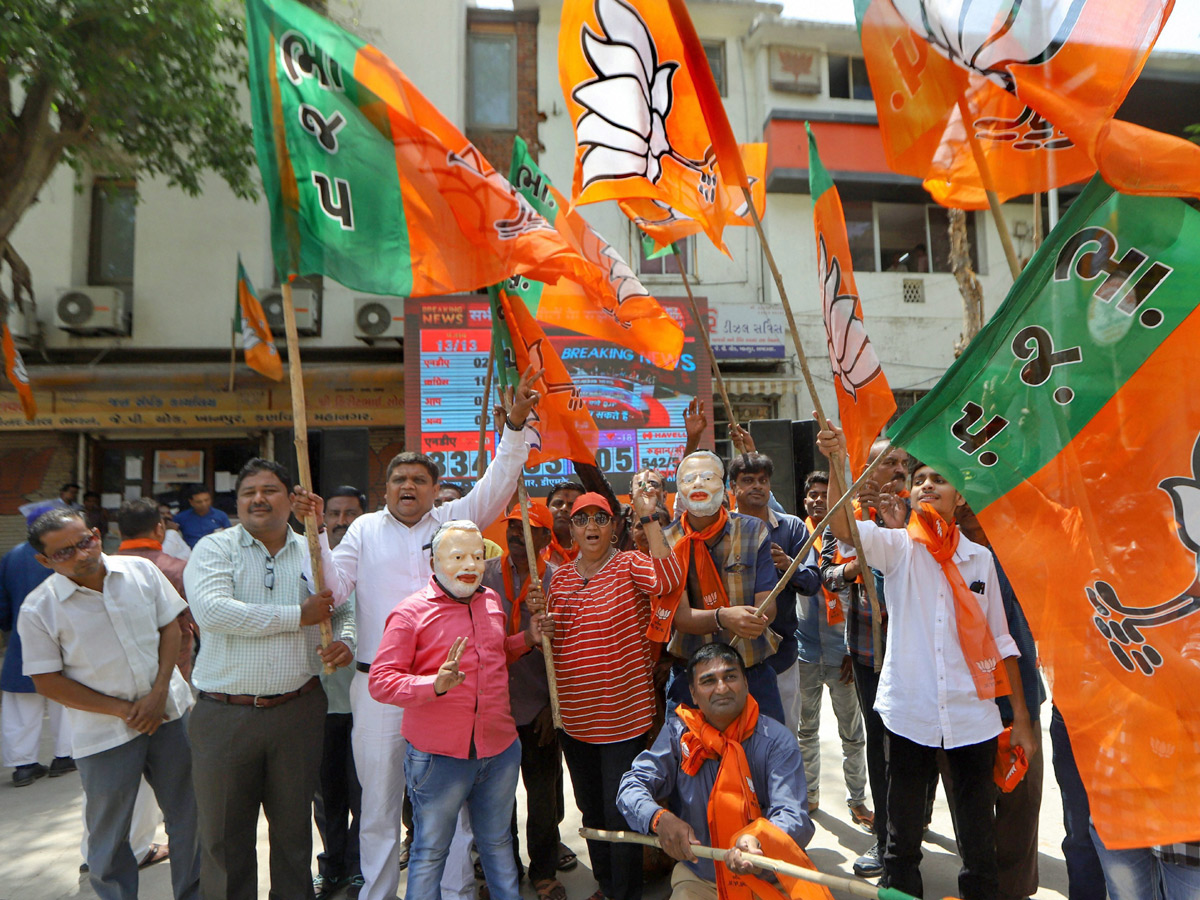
{"x":1085,"y":875}
{"x":439,"y":786}
{"x":814,"y":677}
{"x":1139,"y":875}
{"x":761,"y":679}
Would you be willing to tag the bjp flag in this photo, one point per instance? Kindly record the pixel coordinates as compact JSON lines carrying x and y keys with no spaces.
{"x":14,"y":368}
{"x":865,"y":401}
{"x":258,"y":344}
{"x":649,"y":122}
{"x":1025,"y":92}
{"x":1069,"y":426}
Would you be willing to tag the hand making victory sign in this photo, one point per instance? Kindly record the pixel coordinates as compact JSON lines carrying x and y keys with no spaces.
{"x":448,"y":675}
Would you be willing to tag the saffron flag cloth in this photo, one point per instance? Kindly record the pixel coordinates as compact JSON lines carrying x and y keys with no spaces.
{"x":258,"y":344}
{"x":560,"y":426}
{"x":665,"y":225}
{"x":610,"y":303}
{"x":648,"y":116}
{"x":1069,"y":427}
{"x":1034,"y":85}
{"x":865,"y":401}
{"x":14,"y":368}
{"x":367,"y":181}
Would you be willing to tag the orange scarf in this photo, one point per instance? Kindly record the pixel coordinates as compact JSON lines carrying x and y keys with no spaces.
{"x":833,"y":603}
{"x":564,"y":555}
{"x":733,"y":807}
{"x":931,"y":531}
{"x":712,"y":588}
{"x":514,"y":618}
{"x":140,"y":544}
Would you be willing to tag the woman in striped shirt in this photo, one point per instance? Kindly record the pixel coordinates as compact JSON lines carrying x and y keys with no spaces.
{"x":600,"y":607}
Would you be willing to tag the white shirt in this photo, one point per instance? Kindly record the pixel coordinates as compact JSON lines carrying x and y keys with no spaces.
{"x":174,"y":545}
{"x":106,"y":641}
{"x":386,"y":561}
{"x":926,"y":692}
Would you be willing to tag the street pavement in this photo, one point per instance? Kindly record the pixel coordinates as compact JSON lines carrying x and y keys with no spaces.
{"x":40,"y":829}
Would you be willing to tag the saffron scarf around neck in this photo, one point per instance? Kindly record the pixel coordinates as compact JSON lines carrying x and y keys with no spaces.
{"x":927,"y":528}
{"x":833,"y":603}
{"x":693,"y":544}
{"x":140,"y":544}
{"x":514,"y":618}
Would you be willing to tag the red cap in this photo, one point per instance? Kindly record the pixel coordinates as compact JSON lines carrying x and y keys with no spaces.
{"x":591,"y":498}
{"x":539,"y":516}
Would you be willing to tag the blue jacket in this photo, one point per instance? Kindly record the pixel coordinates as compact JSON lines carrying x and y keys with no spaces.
{"x":20,"y":573}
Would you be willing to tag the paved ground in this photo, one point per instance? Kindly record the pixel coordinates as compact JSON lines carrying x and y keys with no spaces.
{"x":40,"y":830}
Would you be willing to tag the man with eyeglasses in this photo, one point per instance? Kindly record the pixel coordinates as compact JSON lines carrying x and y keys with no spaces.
{"x":257,"y":729}
{"x":100,"y":637}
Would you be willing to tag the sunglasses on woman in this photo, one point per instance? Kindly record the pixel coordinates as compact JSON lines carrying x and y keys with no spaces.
{"x":580,"y":519}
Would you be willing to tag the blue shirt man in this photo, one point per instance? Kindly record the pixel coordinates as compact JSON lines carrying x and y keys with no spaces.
{"x":201,"y":519}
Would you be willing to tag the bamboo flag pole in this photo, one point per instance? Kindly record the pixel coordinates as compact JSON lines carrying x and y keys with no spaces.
{"x":985,"y":175}
{"x":835,"y":462}
{"x":485,"y":411}
{"x":300,"y":430}
{"x":702,"y":324}
{"x":836,"y":882}
{"x":232,"y":355}
{"x":531,"y":553}
{"x":1037,"y":221}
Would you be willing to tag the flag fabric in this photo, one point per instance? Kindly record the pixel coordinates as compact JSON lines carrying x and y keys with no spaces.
{"x":561,"y":425}
{"x":608,"y":301}
{"x":865,"y":401}
{"x":665,"y":225}
{"x":367,"y":181}
{"x":648,"y":117}
{"x":14,"y":368}
{"x":1035,"y":86}
{"x":1068,"y":426}
{"x":249,"y":320}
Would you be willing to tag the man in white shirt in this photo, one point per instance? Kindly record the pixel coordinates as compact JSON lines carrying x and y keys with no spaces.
{"x":947,"y":635}
{"x":100,"y":637}
{"x":384,"y":558}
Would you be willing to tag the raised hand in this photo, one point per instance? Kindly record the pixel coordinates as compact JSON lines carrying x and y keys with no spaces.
{"x":830,"y":439}
{"x":742,"y":442}
{"x":307,"y":503}
{"x":695,"y":420}
{"x":448,"y":675}
{"x":525,"y":397}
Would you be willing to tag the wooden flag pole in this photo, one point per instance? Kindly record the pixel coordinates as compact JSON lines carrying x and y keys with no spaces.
{"x":531,"y":553}
{"x":702,"y":324}
{"x":1010,"y":252}
{"x":232,"y":355}
{"x":1037,"y":221}
{"x":300,"y":430}
{"x":835,"y":462}
{"x":485,"y":412}
{"x":837,"y":882}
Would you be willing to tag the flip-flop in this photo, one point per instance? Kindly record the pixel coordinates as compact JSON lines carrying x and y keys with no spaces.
{"x":550,"y":889}
{"x":156,"y":854}
{"x":866,"y":822}
{"x":567,"y":860}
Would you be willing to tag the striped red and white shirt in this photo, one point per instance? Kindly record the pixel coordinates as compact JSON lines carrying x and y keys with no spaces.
{"x":601,"y":653}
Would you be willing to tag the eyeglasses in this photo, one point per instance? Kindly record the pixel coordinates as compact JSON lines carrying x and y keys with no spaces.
{"x":269,"y":578}
{"x":68,"y":553}
{"x":580,"y":519}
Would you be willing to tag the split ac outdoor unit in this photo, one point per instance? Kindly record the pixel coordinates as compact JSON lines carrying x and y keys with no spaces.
{"x":378,"y":318}
{"x":307,"y":303}
{"x":91,"y":310}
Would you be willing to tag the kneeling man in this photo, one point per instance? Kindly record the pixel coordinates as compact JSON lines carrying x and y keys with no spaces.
{"x":731,"y":778}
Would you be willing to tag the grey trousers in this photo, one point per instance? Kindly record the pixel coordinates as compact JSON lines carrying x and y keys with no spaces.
{"x":246,"y":758}
{"x":813,"y":677}
{"x":110,"y":783}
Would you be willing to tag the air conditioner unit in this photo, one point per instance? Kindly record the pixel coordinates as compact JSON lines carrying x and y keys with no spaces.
{"x":306,"y":302}
{"x":378,"y":318}
{"x":91,"y":310}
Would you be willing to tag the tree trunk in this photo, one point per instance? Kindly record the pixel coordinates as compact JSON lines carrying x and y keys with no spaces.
{"x":968,"y":283}
{"x":38,"y":151}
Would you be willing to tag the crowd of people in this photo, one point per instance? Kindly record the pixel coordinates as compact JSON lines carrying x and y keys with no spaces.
{"x":650,"y":646}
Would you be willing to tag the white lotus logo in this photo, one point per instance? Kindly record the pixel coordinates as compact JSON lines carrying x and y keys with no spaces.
{"x":850,"y":352}
{"x":987,"y":36}
{"x":627,"y":103}
{"x":624,"y":282}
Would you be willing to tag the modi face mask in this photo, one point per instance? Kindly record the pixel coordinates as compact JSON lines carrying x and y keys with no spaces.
{"x":700,"y":485}
{"x":458,"y":562}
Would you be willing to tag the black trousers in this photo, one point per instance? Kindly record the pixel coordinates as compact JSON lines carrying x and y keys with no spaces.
{"x":337,"y":801}
{"x":542,"y":774}
{"x":911,"y":767}
{"x":866,"y":683}
{"x":596,"y":771}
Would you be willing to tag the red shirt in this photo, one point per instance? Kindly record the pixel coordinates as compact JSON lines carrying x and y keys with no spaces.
{"x":473,"y":719}
{"x":601,"y":653}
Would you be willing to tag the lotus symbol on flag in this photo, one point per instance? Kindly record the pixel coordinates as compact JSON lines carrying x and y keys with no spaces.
{"x":1121,"y":625}
{"x":627,"y":103}
{"x":624,"y":282}
{"x":850,"y":352}
{"x":987,"y":36}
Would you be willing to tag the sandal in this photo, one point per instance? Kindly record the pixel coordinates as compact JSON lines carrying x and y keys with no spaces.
{"x":156,"y":854}
{"x":567,"y":860}
{"x":863,"y":817}
{"x":550,"y":889}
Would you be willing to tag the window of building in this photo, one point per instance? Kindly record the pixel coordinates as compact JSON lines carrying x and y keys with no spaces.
{"x":903,"y":237}
{"x":110,"y":241}
{"x":492,"y":81}
{"x":848,"y":77}
{"x":715,"y":51}
{"x":668,"y":264}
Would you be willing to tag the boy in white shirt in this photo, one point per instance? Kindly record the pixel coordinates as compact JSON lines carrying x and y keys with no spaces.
{"x":947,"y":635}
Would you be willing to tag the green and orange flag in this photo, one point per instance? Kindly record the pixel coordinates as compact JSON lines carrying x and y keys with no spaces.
{"x":865,"y":401}
{"x":368,"y":183}
{"x":1070,"y":427}
{"x":249,"y":320}
{"x":1030,"y":88}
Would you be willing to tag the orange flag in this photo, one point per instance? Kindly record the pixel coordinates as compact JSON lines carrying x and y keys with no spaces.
{"x":258,"y":344}
{"x":865,"y":401}
{"x":648,"y":118}
{"x":665,"y":225}
{"x":14,"y":367}
{"x":1033,"y":87}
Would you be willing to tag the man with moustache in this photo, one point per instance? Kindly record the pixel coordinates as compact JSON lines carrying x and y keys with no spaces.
{"x":257,"y":728}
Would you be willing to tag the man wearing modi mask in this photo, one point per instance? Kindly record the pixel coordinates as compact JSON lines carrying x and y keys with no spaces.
{"x":444,"y":657}
{"x":727,"y":559}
